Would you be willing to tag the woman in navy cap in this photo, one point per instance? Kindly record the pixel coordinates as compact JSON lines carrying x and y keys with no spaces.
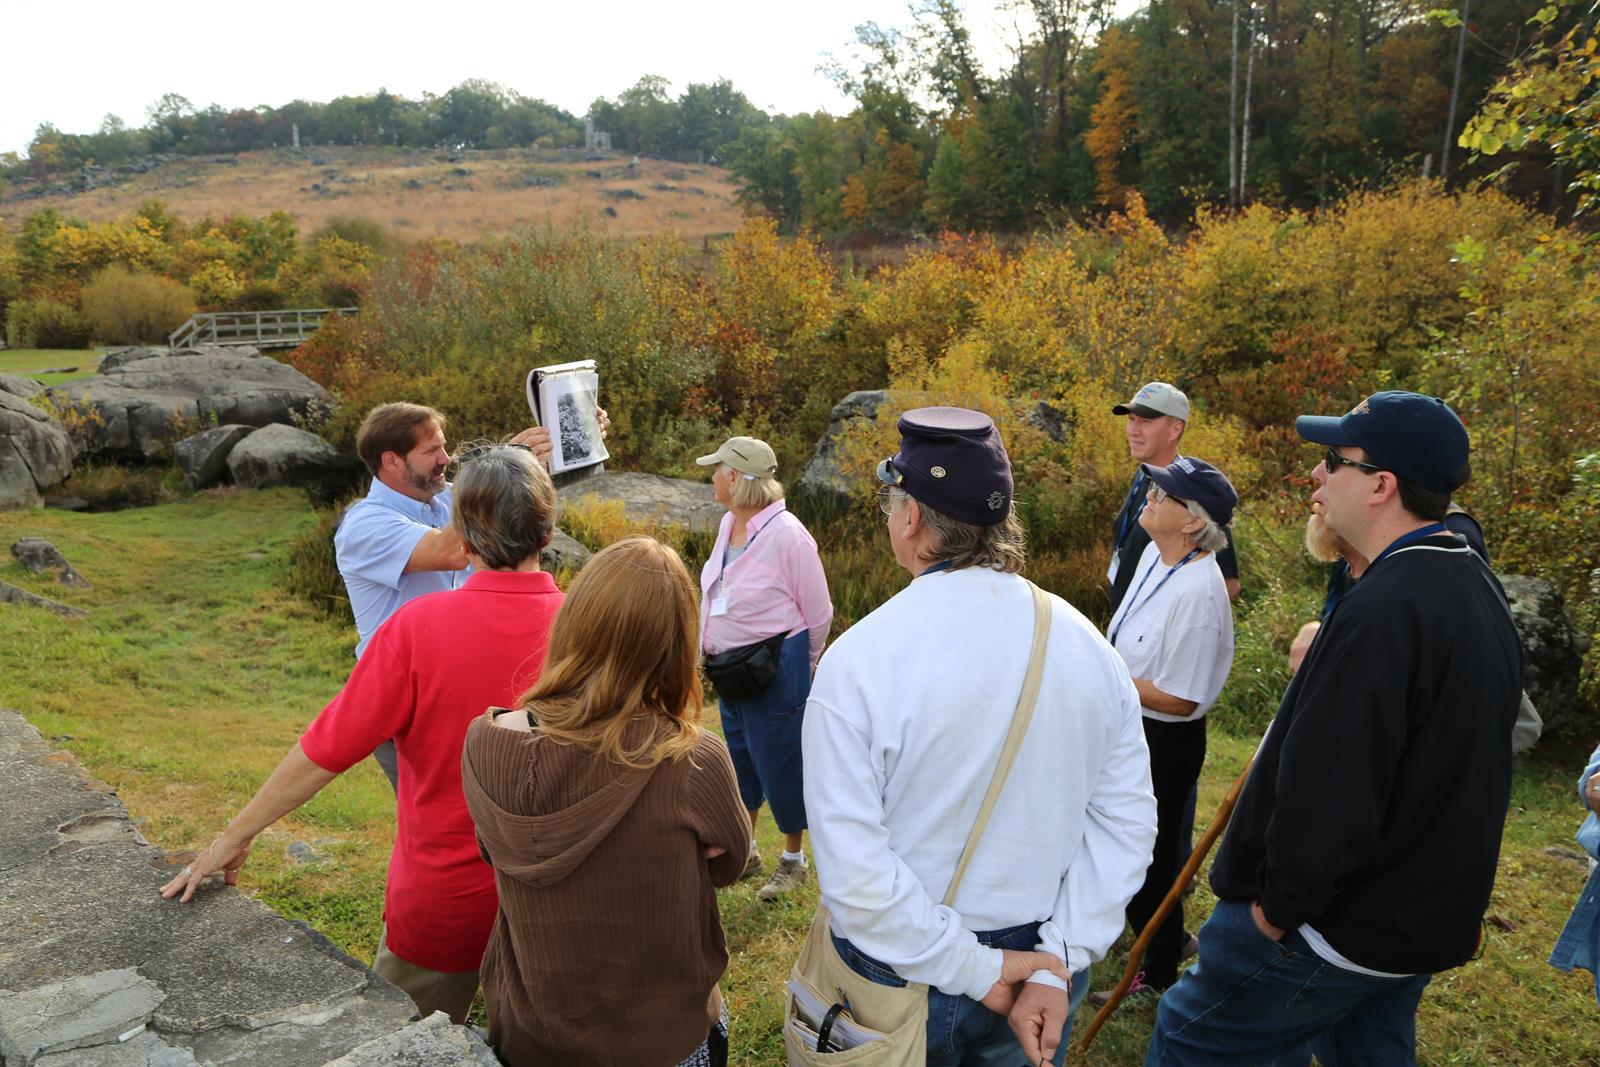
{"x":1174,"y":630}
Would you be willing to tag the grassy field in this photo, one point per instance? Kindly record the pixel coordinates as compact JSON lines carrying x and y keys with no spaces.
{"x":51,"y":365}
{"x":195,"y":670}
{"x":422,"y":194}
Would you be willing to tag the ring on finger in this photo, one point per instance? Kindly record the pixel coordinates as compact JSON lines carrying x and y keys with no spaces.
{"x":188,"y":871}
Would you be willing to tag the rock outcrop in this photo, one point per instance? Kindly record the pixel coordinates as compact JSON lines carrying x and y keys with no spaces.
{"x":1553,"y":645}
{"x":284,"y":455}
{"x":35,"y":452}
{"x":42,"y":557}
{"x":823,"y":477}
{"x":653,"y":498}
{"x":203,"y":458}
{"x":564,"y":554}
{"x":97,"y":969}
{"x":143,"y":400}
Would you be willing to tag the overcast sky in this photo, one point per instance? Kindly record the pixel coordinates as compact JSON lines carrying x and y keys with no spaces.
{"x":70,"y":64}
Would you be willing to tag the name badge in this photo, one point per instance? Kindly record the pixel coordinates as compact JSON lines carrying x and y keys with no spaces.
{"x":1111,"y":571}
{"x":719,"y":604}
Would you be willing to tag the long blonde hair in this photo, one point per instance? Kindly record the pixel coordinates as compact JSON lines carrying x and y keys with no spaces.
{"x":624,"y":647}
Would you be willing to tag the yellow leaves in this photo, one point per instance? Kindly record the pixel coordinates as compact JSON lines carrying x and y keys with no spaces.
{"x":215,"y":284}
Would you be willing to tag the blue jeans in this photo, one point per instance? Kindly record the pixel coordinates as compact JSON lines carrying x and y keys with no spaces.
{"x":1250,"y":1000}
{"x":961,"y":1031}
{"x":763,"y":735}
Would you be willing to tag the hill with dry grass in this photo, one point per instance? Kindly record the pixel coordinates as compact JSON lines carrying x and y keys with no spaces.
{"x":419,"y":194}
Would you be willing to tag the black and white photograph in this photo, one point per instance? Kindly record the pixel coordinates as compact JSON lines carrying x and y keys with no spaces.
{"x":565,"y":398}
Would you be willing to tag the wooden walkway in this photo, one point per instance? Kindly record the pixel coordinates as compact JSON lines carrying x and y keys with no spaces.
{"x":259,"y":329}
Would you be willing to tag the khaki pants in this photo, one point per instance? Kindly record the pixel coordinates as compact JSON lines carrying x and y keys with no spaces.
{"x":431,"y":991}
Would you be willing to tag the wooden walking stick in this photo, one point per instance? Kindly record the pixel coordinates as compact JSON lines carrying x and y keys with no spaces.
{"x":1175,"y":894}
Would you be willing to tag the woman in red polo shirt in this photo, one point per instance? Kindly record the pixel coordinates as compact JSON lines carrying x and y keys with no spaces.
{"x":429,"y":671}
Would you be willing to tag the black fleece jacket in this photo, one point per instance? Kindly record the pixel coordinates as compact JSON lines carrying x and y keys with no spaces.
{"x":1376,"y":804}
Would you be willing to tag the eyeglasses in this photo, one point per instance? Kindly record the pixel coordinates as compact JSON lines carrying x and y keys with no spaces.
{"x":1332,"y":461}
{"x":1158,"y":494}
{"x":886,"y":499}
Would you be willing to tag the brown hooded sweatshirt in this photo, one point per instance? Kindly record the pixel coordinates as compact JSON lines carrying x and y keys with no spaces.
{"x":607,"y":946}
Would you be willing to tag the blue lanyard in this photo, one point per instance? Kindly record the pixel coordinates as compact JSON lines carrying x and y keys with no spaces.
{"x":942,"y":565}
{"x":1410,"y":538}
{"x":1134,"y":598}
{"x":1130,"y":509}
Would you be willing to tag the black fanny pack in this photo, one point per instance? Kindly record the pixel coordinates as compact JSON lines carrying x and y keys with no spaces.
{"x":742,"y":673}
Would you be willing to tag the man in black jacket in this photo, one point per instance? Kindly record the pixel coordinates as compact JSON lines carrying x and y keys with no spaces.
{"x":1363,"y":849}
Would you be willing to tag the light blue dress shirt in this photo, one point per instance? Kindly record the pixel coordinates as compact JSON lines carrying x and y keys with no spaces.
{"x":372,"y":546}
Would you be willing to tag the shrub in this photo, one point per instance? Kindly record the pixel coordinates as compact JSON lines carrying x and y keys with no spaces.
{"x":42,"y":322}
{"x":313,"y":569}
{"x":125,"y":308}
{"x":360,"y":230}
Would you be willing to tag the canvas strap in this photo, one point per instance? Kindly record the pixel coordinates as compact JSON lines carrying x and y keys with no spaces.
{"x":1019,"y":727}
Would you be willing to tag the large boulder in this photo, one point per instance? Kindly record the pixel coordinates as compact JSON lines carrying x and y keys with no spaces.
{"x":35,"y":452}
{"x":134,"y":408}
{"x":654,"y":498}
{"x":823,"y":478}
{"x":1553,"y":645}
{"x":204,"y":457}
{"x":122,"y":357}
{"x":284,"y":455}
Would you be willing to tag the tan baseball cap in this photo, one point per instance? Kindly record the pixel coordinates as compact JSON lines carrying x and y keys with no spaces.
{"x":747,"y":455}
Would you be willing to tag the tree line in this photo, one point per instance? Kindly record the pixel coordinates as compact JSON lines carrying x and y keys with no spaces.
{"x":1189,"y":102}
{"x":1293,"y":102}
{"x":645,"y":118}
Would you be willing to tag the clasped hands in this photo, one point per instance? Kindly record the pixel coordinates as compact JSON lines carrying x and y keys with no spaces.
{"x":1036,"y":1011}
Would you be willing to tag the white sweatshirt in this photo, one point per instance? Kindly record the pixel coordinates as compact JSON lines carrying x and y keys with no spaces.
{"x":903,"y":730}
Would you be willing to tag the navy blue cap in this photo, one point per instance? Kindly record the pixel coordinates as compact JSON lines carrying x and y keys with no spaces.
{"x":952,"y":460}
{"x":1193,"y":479}
{"x":1417,"y":437}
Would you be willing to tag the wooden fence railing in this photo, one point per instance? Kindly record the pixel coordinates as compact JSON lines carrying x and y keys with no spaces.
{"x":261,"y":329}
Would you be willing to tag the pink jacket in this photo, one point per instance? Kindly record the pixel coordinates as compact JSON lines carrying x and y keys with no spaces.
{"x":776,"y":586}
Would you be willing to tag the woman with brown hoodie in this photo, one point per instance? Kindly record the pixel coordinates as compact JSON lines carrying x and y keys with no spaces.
{"x":609,"y":817}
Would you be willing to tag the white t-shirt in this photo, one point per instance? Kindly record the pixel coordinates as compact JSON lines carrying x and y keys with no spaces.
{"x":1177,"y":633}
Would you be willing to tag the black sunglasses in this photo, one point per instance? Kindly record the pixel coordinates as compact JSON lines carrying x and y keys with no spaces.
{"x":1332,"y":461}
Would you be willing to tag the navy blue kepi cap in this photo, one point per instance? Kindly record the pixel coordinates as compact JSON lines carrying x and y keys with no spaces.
{"x":1417,"y":437}
{"x":1195,"y":479}
{"x":952,"y":460}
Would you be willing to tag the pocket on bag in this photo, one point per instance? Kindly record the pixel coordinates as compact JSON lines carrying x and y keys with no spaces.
{"x":892,"y":1049}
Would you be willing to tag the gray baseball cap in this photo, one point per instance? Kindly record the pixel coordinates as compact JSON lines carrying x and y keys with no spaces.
{"x":1155,"y":400}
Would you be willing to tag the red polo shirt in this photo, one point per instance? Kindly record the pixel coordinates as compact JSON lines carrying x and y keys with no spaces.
{"x":429,"y":671}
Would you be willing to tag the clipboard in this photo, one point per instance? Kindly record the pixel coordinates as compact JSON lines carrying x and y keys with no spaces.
{"x":565,"y":397}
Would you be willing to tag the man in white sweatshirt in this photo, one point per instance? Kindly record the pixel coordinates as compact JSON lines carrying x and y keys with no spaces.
{"x":903,"y":731}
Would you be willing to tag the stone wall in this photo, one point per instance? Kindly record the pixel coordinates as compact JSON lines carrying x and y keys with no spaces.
{"x":97,"y":970}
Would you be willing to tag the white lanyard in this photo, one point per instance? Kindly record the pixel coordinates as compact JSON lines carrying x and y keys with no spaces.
{"x":1133,"y":598}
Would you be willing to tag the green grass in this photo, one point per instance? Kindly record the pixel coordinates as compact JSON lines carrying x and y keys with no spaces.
{"x":196,"y":669}
{"x":29,"y":362}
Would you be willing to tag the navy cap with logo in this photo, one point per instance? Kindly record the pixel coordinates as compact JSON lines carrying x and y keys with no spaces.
{"x":952,"y":460}
{"x":1417,"y":437}
{"x":1193,"y":479}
